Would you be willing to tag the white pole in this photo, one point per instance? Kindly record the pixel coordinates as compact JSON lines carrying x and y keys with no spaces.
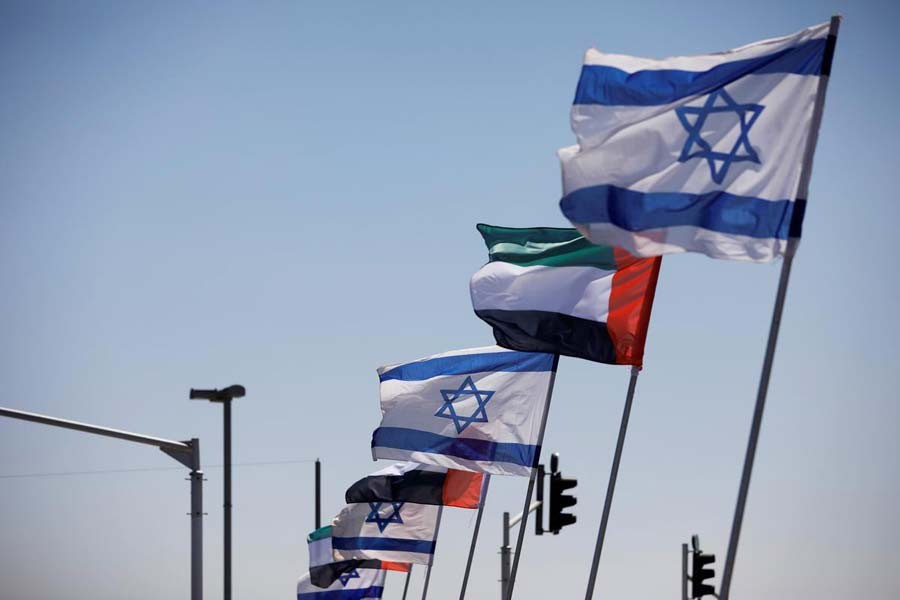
{"x":793,"y":242}
{"x":481,"y":501}
{"x":611,"y":486}
{"x":521,"y":537}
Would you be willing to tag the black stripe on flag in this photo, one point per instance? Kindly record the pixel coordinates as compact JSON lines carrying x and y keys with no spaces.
{"x":416,"y":486}
{"x":545,"y":331}
{"x":324,"y":575}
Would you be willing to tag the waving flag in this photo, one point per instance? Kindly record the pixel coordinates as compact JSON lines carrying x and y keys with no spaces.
{"x":324,"y":570}
{"x":388,"y":531}
{"x":356,"y":584}
{"x":695,"y":154}
{"x":551,"y":290}
{"x":422,"y":484}
{"x":478,"y":410}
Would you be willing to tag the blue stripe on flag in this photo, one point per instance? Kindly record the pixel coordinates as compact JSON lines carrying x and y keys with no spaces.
{"x":716,"y":211}
{"x":466,"y":448}
{"x":600,"y":84}
{"x":463,"y":364}
{"x":378,"y":543}
{"x":358,"y":594}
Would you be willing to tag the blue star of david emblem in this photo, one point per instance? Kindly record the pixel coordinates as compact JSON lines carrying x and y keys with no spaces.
{"x":719,"y":162}
{"x":448,"y":411}
{"x":346,"y":577}
{"x":383,"y":522}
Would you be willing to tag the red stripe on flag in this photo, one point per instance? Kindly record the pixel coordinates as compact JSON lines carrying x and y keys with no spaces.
{"x":630,"y":303}
{"x":462,"y":489}
{"x":394,"y":566}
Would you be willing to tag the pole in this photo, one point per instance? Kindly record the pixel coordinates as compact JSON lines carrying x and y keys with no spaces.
{"x":793,"y":242}
{"x":504,"y":559}
{"x":428,"y":571}
{"x":187,"y":453}
{"x":611,"y":486}
{"x":406,"y":585}
{"x":530,"y":491}
{"x":227,"y":463}
{"x":684,"y":568}
{"x":318,"y":493}
{"x":196,"y":523}
{"x":484,"y":491}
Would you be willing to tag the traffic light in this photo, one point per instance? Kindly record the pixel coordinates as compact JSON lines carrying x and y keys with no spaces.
{"x":700,"y":573}
{"x":559,"y":501}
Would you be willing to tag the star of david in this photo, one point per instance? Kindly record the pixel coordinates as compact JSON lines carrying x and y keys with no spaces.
{"x":346,"y":577}
{"x":383,"y":522}
{"x":467,"y":388}
{"x":693,"y":119}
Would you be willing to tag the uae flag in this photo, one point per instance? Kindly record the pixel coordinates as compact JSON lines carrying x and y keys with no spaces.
{"x":551,"y":290}
{"x":324,"y":570}
{"x":421,"y":484}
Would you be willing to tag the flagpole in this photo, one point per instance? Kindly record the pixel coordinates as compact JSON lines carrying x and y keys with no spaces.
{"x":793,"y":242}
{"x":406,"y":585}
{"x":521,"y":537}
{"x":428,"y":571}
{"x":484,"y":491}
{"x":611,"y":486}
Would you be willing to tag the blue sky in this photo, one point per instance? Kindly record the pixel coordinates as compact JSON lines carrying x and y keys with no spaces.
{"x":284,"y":194}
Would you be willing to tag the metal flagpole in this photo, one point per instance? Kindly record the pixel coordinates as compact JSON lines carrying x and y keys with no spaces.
{"x":428,"y":570}
{"x":521,"y":537}
{"x":611,"y":486}
{"x":484,"y":491}
{"x":793,"y":242}
{"x":406,"y":585}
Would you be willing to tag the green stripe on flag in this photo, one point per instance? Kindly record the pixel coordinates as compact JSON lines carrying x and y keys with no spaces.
{"x":548,"y":246}
{"x":319,"y":534}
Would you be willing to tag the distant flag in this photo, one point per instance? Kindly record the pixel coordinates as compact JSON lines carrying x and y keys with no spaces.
{"x":388,"y":531}
{"x":324,"y":570}
{"x":421,"y":484}
{"x":478,"y":409}
{"x":695,"y":154}
{"x":551,"y":290}
{"x":356,"y":584}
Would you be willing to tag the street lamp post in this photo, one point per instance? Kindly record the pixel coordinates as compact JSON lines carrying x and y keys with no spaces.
{"x":224,"y":397}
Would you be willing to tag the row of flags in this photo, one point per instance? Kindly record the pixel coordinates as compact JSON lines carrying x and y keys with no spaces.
{"x":690,"y":154}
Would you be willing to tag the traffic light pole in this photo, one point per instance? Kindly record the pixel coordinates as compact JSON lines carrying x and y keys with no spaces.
{"x":611,"y":486}
{"x":187,"y":453}
{"x":684,"y":574}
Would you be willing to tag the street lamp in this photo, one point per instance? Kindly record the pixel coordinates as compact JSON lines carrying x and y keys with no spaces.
{"x":224,"y":397}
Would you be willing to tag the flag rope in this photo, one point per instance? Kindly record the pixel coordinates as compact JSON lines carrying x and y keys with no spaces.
{"x":530,"y":491}
{"x":611,"y":486}
{"x":484,"y":491}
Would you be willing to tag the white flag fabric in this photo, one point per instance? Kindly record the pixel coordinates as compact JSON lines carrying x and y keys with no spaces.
{"x":353,"y":585}
{"x":695,"y":154}
{"x":478,"y":409}
{"x":389,"y":531}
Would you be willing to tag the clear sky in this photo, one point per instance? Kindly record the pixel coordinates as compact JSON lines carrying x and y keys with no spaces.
{"x":284,"y":195}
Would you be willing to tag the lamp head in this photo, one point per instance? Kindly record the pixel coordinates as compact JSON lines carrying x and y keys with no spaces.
{"x":229,"y":393}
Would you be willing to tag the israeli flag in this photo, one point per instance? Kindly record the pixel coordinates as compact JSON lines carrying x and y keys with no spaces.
{"x":695,"y":154}
{"x":476,"y":410}
{"x":355,"y":584}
